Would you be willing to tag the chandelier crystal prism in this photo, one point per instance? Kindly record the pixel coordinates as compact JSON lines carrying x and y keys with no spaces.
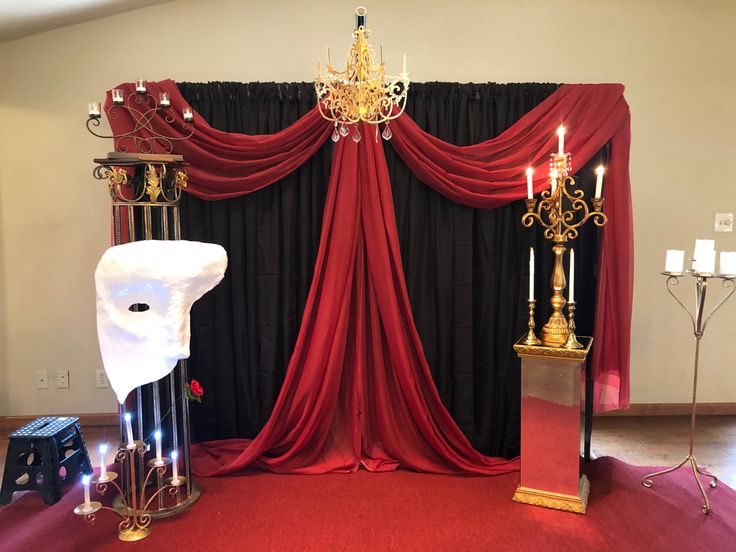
{"x":362,"y":92}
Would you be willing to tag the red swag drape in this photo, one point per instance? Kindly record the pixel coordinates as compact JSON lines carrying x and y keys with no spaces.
{"x":358,"y":389}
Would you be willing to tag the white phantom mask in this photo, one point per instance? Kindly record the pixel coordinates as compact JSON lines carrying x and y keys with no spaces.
{"x":167,"y":277}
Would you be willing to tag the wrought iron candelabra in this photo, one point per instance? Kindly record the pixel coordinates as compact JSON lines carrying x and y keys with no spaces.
{"x":136,"y":513}
{"x":561,"y":211}
{"x":699,"y":321}
{"x":142,"y":108}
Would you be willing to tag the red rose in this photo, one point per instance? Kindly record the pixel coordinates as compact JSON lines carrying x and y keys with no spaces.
{"x":195,"y":388}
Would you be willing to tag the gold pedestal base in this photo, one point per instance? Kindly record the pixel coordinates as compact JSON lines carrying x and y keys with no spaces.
{"x":557,"y":501}
{"x":134,"y":534}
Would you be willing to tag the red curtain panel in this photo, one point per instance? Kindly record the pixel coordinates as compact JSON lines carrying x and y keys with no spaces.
{"x":358,"y":390}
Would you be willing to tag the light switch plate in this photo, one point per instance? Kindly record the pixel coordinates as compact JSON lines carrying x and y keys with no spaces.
{"x":724,"y":222}
{"x":101,"y":380}
{"x":42,"y":379}
{"x":62,"y":379}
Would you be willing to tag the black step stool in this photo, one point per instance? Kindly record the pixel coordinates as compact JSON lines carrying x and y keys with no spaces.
{"x":42,"y":455}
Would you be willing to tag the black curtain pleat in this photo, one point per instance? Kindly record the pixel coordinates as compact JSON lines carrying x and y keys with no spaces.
{"x":466,"y":269}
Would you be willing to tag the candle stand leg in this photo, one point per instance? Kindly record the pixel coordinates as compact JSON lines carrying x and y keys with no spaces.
{"x":690,"y":458}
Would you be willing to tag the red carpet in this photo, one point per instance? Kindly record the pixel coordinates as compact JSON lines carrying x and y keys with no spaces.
{"x":397,"y":511}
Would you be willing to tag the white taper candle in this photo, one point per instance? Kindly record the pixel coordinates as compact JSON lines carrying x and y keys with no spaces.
{"x":561,"y":140}
{"x":529,"y":182}
{"x":129,"y":431}
{"x":572,"y":276}
{"x":174,"y":466}
{"x":157,"y":436}
{"x":85,"y":482}
{"x":531,"y":274}
{"x":599,"y":181}
{"x":103,"y":462}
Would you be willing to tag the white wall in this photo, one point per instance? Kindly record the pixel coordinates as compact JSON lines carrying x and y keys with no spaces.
{"x":676,"y":59}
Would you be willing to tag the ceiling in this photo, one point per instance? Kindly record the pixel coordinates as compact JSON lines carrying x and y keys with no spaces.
{"x":21,"y":18}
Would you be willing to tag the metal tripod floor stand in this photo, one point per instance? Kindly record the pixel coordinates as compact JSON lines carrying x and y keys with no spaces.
{"x":699,"y":323}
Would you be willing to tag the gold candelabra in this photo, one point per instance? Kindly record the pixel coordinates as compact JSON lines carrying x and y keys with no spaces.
{"x":362,"y":92}
{"x":136,"y":513}
{"x":561,"y":211}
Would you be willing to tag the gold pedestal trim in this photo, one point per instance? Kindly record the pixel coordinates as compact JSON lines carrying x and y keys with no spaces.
{"x":563,"y":353}
{"x":557,"y":501}
{"x":134,"y":534}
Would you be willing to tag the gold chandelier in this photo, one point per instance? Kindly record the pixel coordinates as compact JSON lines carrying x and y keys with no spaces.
{"x":362,"y":92}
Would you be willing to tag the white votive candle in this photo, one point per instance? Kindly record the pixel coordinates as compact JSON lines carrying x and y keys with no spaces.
{"x":674,"y":261}
{"x":94,"y":109}
{"x":129,"y":431}
{"x":174,"y":467}
{"x":529,"y":182}
{"x":599,"y":181}
{"x":117,"y":96}
{"x":157,"y":436}
{"x":85,"y":482}
{"x":531,"y":274}
{"x":163,"y":99}
{"x":188,"y":114}
{"x":728,"y":263}
{"x":140,"y":86}
{"x":103,"y":462}
{"x":571,"y":297}
{"x":560,"y":140}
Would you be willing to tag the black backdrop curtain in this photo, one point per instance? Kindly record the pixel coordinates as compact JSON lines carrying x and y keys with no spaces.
{"x":466,"y":269}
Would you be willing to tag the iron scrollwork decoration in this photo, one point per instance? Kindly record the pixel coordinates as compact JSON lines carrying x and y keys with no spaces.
{"x":142,"y":108}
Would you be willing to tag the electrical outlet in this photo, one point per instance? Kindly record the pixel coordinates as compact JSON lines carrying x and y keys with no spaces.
{"x":724,"y":222}
{"x":101,"y":380}
{"x":42,"y":379}
{"x":62,"y":379}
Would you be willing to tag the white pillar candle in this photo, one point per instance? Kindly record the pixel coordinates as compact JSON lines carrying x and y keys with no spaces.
{"x":157,"y":436}
{"x":560,"y":140}
{"x":103,"y":462}
{"x":599,"y":181}
{"x":529,"y":183}
{"x":129,"y":431}
{"x":728,"y":263}
{"x":140,"y":86}
{"x":571,"y":297}
{"x":674,"y":261}
{"x":531,"y":274}
{"x":706,"y":262}
{"x":85,"y":482}
{"x":702,"y":254}
{"x":174,"y":467}
{"x":94,"y":109}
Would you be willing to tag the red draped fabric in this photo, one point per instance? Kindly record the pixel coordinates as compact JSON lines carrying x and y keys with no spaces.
{"x":358,"y":389}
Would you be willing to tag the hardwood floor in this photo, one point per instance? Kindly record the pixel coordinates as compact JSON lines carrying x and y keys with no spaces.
{"x":644,"y":441}
{"x":664,"y":440}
